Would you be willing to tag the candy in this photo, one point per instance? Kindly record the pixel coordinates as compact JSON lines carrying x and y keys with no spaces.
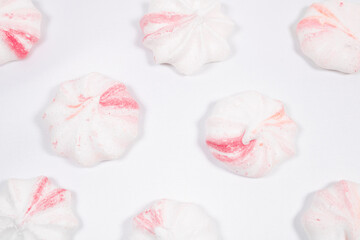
{"x":329,"y":34}
{"x":36,"y":209}
{"x":250,"y":133}
{"x":187,"y":33}
{"x":19,"y":29}
{"x":334,"y":213}
{"x":92,"y":119}
{"x":170,"y":220}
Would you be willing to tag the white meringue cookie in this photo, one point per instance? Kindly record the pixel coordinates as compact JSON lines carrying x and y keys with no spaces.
{"x":36,"y":209}
{"x":334,"y":213}
{"x":92,"y":119}
{"x":250,"y":133}
{"x":20,"y":25}
{"x":187,"y":33}
{"x":170,"y":220}
{"x":329,"y":34}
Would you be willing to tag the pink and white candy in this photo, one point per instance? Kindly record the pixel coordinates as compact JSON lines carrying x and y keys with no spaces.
{"x":250,"y":133}
{"x":334,"y":213}
{"x":171,"y":220}
{"x":36,"y":209}
{"x":92,"y":119}
{"x":329,"y":34}
{"x":20,"y":25}
{"x":187,"y":33}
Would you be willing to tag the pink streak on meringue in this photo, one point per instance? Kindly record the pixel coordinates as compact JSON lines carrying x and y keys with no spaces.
{"x":335,"y":211}
{"x":319,"y":23}
{"x":149,"y":220}
{"x":116,"y":96}
{"x":231,"y":145}
{"x":41,"y":202}
{"x":11,"y":36}
{"x":171,"y":20}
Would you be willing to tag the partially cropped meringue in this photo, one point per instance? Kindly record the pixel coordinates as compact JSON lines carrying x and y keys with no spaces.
{"x":329,"y":34}
{"x":334,"y":213}
{"x":250,"y":133}
{"x":92,"y":119}
{"x":171,"y":220}
{"x":187,"y":33}
{"x":20,"y":25}
{"x":36,"y":209}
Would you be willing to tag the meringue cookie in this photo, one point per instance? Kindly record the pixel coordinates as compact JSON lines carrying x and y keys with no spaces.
{"x":250,"y":133}
{"x":19,"y":29}
{"x":92,"y":119}
{"x":329,"y":34}
{"x":170,"y":220}
{"x":334,"y":213}
{"x":36,"y":209}
{"x":187,"y":33}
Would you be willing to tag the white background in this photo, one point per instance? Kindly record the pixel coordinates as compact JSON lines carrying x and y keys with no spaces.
{"x":169,"y":159}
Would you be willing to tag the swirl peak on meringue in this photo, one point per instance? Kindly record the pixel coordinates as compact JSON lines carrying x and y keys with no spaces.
{"x":92,"y":119}
{"x":329,"y":35}
{"x":171,"y":220}
{"x":250,"y":133}
{"x":334,"y":213}
{"x":187,"y":33}
{"x":36,"y":209}
{"x":20,"y":24}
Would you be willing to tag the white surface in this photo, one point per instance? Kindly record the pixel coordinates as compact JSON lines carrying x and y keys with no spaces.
{"x":169,"y":161}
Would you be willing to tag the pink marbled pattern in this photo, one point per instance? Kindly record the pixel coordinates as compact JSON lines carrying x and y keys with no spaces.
{"x":150,"y":218}
{"x":19,"y":29}
{"x":36,"y":209}
{"x":167,"y":22}
{"x":334,"y":213}
{"x":329,"y":34}
{"x":187,"y":34}
{"x":250,"y":133}
{"x":92,"y":119}
{"x":167,"y":219}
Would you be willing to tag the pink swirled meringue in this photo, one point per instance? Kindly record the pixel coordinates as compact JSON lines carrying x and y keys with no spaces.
{"x":329,"y":34}
{"x":171,"y":220}
{"x":250,"y":133}
{"x":334,"y":213}
{"x":92,"y":119}
{"x":20,"y":25}
{"x":36,"y":209}
{"x":187,"y":33}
